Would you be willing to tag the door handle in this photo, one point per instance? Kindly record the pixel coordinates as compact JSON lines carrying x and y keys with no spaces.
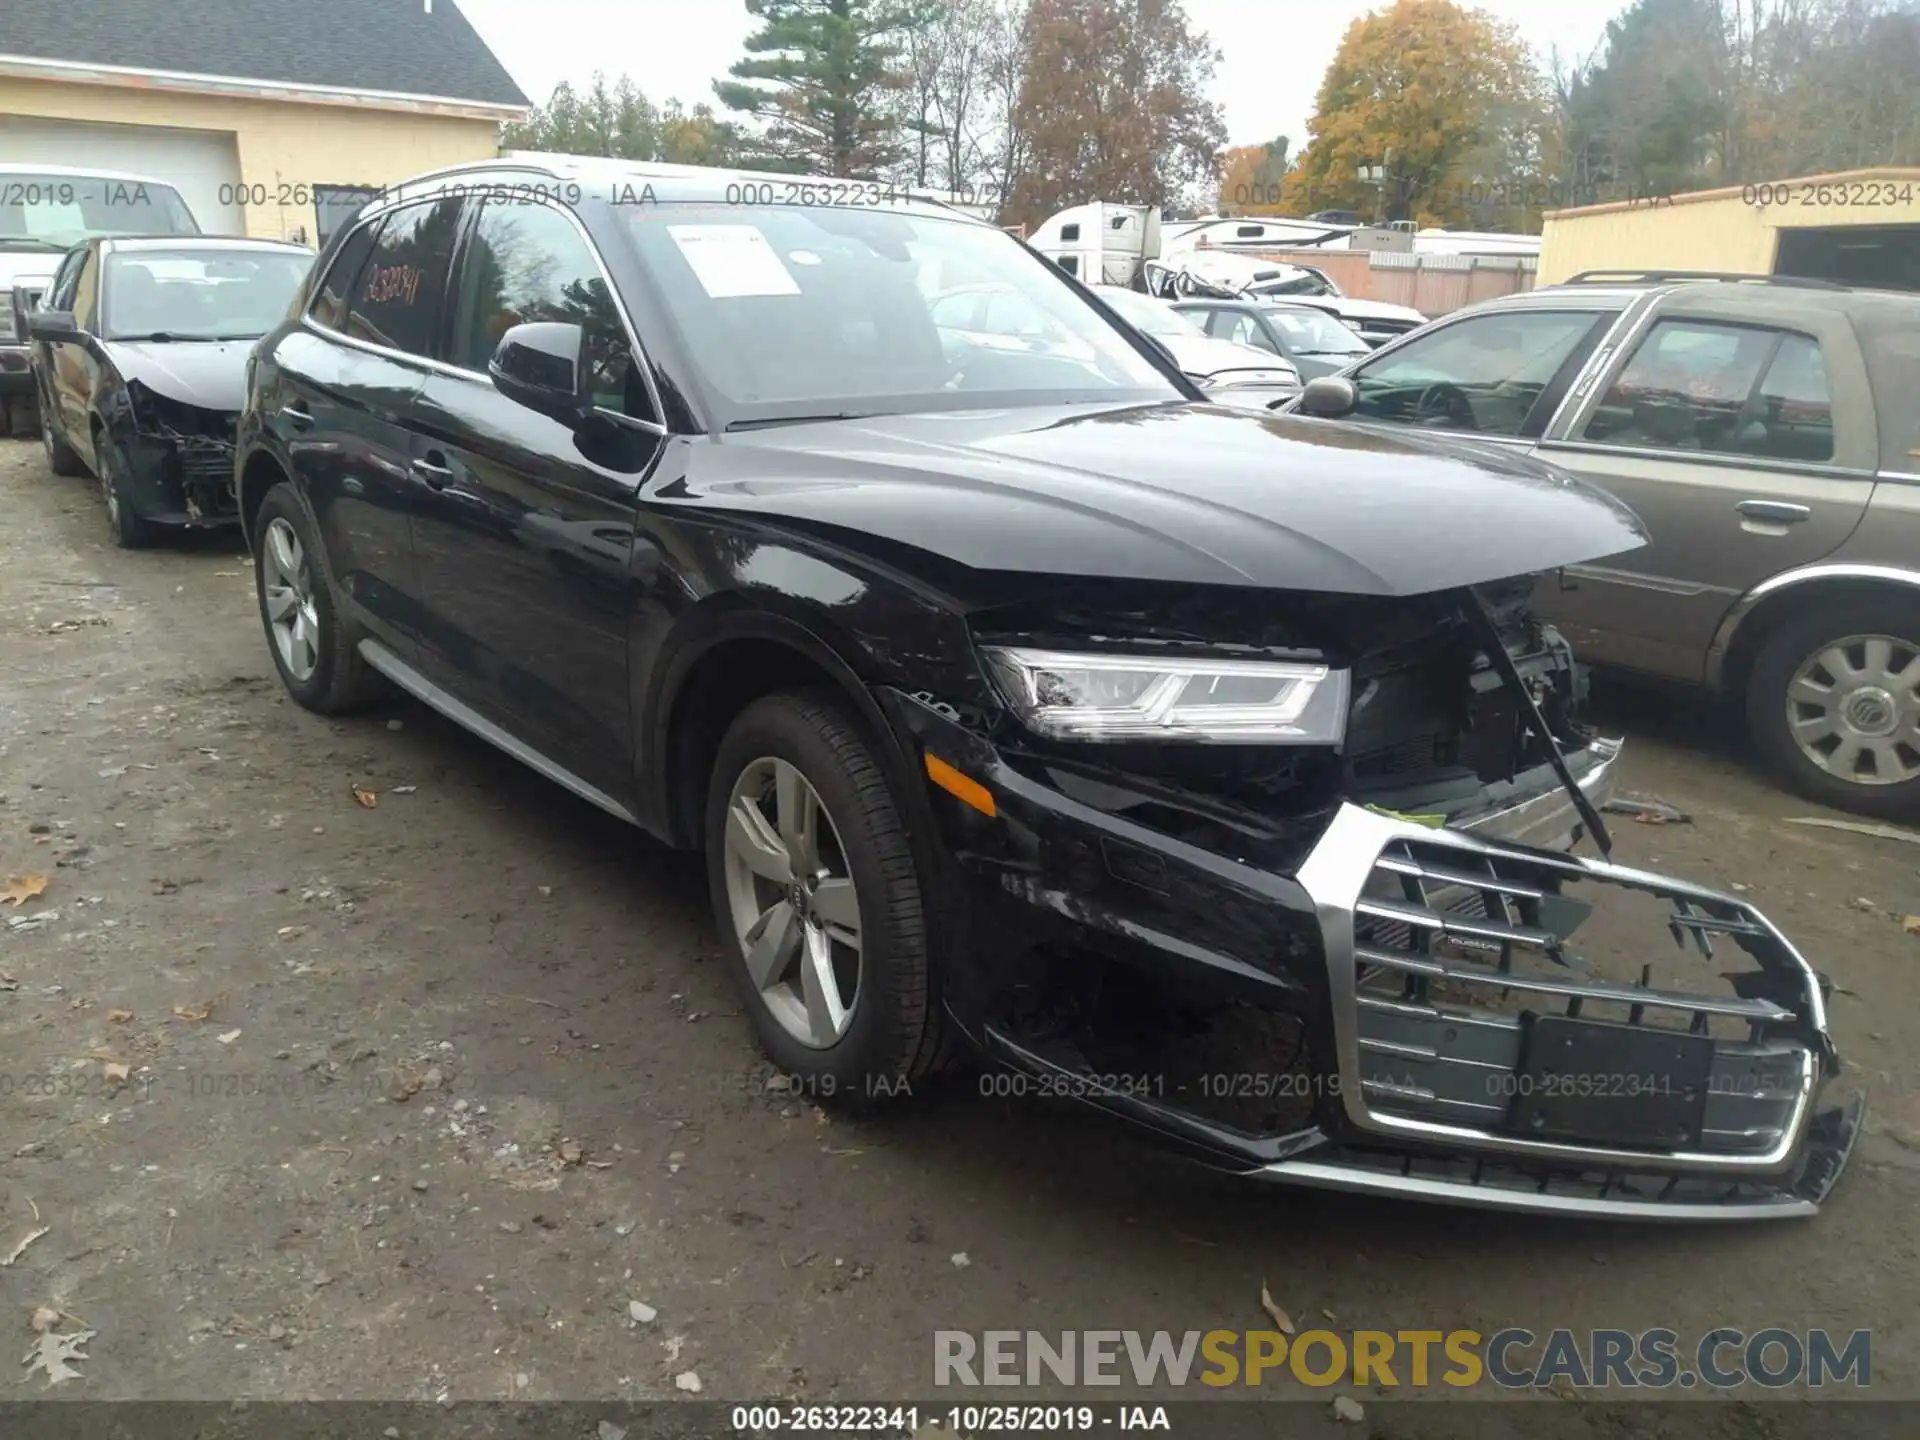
{"x":296,"y":417}
{"x":436,"y":475}
{"x":1780,"y":512}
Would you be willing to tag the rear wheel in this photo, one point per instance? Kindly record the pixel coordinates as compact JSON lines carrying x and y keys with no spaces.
{"x":314,"y":649}
{"x":61,"y":458}
{"x":1833,"y":702}
{"x":818,"y":902}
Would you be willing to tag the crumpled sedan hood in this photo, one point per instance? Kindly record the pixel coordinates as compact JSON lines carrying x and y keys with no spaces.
{"x":1173,"y":492}
{"x":211,"y":374}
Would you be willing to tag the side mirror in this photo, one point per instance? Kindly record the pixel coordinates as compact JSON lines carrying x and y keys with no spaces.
{"x":1328,"y":396}
{"x":538,"y":365}
{"x":57,"y":326}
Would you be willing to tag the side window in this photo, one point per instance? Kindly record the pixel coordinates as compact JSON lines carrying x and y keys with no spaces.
{"x":1793,"y":413}
{"x":86,"y":294}
{"x":396,"y":301}
{"x":330,"y":304}
{"x":1247,"y":330}
{"x":1069,"y":263}
{"x":528,"y":262}
{"x":1731,"y":389}
{"x":956,"y":311}
{"x":1484,"y":376}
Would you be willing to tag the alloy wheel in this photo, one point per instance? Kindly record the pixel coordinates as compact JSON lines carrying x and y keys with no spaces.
{"x":286,"y":592}
{"x":1853,"y":710}
{"x":793,"y":903}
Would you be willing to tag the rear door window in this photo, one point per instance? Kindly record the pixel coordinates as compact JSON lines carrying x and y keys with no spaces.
{"x":398,"y":299}
{"x":1702,"y":386}
{"x":1496,"y":374}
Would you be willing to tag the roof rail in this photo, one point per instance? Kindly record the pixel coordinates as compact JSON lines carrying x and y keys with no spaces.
{"x":1655,"y":277}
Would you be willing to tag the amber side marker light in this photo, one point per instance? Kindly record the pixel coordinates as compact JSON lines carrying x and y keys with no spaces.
{"x":968,"y":792}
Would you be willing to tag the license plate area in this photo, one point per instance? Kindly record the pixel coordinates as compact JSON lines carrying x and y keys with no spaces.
{"x":1637,"y":1087}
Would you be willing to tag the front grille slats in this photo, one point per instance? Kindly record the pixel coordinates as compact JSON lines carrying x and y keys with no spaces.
{"x":1456,"y":943}
{"x":1757,"y":1010}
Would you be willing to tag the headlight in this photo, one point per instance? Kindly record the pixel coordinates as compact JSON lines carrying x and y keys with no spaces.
{"x":1137,"y":697}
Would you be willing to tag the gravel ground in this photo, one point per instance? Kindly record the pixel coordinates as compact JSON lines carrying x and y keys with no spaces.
{"x":411,"y":1100}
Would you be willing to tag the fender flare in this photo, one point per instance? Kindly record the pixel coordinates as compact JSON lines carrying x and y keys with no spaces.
{"x":1785,"y":582}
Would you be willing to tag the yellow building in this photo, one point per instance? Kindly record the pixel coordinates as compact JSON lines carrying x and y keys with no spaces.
{"x":272,"y":118}
{"x":1860,"y":228}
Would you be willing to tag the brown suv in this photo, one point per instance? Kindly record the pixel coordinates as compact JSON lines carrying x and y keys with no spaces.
{"x":1767,"y":431}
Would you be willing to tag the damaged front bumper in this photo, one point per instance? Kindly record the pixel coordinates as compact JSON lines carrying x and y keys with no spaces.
{"x":1460,"y":1051}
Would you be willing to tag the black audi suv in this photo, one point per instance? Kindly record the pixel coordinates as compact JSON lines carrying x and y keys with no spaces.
{"x":1204,"y":766}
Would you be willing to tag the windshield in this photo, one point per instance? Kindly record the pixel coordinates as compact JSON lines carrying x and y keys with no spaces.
{"x":57,"y":212}
{"x":1314,"y":332}
{"x":1143,"y":312}
{"x":199,"y":294}
{"x":796,"y":312}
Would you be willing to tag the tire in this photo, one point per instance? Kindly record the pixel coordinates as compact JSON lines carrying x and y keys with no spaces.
{"x":130,"y":529}
{"x":337,"y":680}
{"x":892,"y":1035}
{"x":61,"y":457}
{"x":1855,"y":708}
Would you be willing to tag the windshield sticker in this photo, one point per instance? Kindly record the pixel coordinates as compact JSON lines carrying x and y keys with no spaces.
{"x":733,"y":260}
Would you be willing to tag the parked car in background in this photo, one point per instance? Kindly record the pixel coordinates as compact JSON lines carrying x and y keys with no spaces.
{"x":45,"y":210}
{"x":1312,"y":341}
{"x":1230,"y":275}
{"x":1017,"y":695}
{"x":1230,"y":373}
{"x":1768,"y":433}
{"x":140,"y":356}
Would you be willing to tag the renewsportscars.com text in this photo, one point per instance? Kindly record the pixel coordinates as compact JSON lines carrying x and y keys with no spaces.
{"x":1514,"y":1359}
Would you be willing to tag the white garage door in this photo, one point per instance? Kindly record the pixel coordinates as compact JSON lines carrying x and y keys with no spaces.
{"x":202,"y":165}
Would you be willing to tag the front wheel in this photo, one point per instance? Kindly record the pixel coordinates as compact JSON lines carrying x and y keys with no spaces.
{"x":818,"y":903}
{"x":130,"y":529}
{"x":1833,"y":703}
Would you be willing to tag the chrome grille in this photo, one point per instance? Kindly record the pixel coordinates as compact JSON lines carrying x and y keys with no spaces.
{"x":1446,"y":951}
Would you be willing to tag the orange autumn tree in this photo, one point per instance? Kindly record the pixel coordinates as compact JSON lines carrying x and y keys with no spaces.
{"x":1251,"y":178}
{"x":1444,"y":100}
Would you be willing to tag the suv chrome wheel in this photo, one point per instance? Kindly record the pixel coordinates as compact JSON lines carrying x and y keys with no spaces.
{"x":791,"y":896}
{"x":287,"y":592}
{"x":1853,"y":710}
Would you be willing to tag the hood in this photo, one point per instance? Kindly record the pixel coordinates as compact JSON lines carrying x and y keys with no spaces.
{"x":1176,"y":492}
{"x":1205,"y":354}
{"x":209,"y":374}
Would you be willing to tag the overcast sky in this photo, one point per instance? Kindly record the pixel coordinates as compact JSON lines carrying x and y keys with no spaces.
{"x":1275,"y":51}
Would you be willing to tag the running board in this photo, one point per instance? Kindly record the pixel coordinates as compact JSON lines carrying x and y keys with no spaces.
{"x":465,"y":716}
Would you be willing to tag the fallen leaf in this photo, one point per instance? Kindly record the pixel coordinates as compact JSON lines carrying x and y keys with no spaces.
{"x":52,"y":1352}
{"x":22,"y":888}
{"x":366,"y":797}
{"x":9,"y":980}
{"x":570,"y":1152}
{"x":1280,"y":1318}
{"x":1911,"y":924}
{"x":116,"y":1071}
{"x":45,"y":1317}
{"x":228,"y":1038}
{"x":28,"y":1239}
{"x":688,"y":1381}
{"x":120,"y":1017}
{"x":195,"y":1013}
{"x":403,"y":1088}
